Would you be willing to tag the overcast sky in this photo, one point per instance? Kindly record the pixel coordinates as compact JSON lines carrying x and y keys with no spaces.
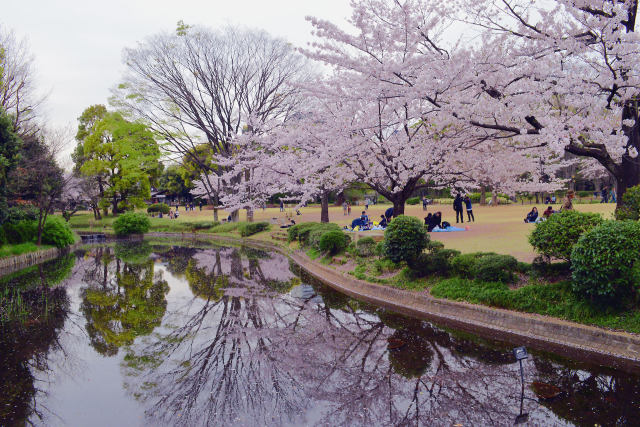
{"x":77,"y":44}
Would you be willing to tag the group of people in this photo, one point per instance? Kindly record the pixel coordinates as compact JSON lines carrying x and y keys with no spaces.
{"x":432,"y":221}
{"x":189,"y":206}
{"x":607,"y":195}
{"x":567,"y":205}
{"x":459,"y":205}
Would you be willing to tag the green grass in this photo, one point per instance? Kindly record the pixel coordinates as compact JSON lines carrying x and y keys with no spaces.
{"x":21,"y":248}
{"x":86,"y":222}
{"x":555,"y":300}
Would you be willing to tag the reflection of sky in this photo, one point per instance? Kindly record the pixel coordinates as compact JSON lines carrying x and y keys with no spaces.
{"x":285,"y":360}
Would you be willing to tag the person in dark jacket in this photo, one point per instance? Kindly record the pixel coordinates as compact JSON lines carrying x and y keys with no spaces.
{"x":457,"y":206}
{"x":427,"y":219}
{"x":388,"y":213}
{"x":436,"y":221}
{"x":467,"y":202}
{"x":532,"y":216}
{"x":383,"y":221}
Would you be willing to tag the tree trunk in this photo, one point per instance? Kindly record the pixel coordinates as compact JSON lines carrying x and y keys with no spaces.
{"x":629,"y":177}
{"x":537,"y":197}
{"x":483,"y":195}
{"x":114,"y":202}
{"x":249,"y":214}
{"x":235,"y":216}
{"x":398,"y":205}
{"x":494,"y":198}
{"x":324,"y":207}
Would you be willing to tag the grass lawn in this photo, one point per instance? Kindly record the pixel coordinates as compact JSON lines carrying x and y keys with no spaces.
{"x":19,"y":249}
{"x":499,"y":229}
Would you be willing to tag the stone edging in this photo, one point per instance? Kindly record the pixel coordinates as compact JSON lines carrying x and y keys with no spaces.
{"x":581,"y":342}
{"x":17,"y":262}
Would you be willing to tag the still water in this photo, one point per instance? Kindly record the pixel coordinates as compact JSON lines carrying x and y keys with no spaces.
{"x":155,"y":334}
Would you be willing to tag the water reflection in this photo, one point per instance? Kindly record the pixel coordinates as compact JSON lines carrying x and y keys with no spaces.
{"x":224,"y":335}
{"x":33,"y":313}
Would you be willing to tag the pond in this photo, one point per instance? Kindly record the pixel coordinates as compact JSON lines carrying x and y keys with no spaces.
{"x":149,"y":333}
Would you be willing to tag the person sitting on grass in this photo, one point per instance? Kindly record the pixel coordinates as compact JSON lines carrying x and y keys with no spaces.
{"x":291,"y":224}
{"x":547,"y":213}
{"x":436,"y":221}
{"x":365,"y":219}
{"x":427,"y":219}
{"x":532,"y":216}
{"x":383,"y":221}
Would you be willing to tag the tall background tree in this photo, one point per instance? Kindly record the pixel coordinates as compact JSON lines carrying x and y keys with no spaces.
{"x":199,"y":86}
{"x":122,"y":157}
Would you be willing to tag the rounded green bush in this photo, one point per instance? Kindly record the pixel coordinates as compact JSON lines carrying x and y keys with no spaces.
{"x":131,"y":223}
{"x":21,"y":231}
{"x":57,"y":232}
{"x":334,"y":242}
{"x":405,"y":238}
{"x":555,"y":237}
{"x":413,"y":200}
{"x":495,"y":268}
{"x":604,"y":262}
{"x":435,"y":262}
{"x":22,"y":213}
{"x":379,"y":249}
{"x":366,"y":246}
{"x":630,"y":208}
{"x":159,"y":207}
{"x":251,"y":228}
{"x":465,"y":265}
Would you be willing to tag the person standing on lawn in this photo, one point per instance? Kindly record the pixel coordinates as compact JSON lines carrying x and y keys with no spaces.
{"x":567,"y":204}
{"x":457,"y":206}
{"x":344,"y":208}
{"x":467,"y":202}
{"x":424,"y":203}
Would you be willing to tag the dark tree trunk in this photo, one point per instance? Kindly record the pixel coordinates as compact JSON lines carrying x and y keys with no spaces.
{"x":483,"y":195}
{"x":249,"y":214}
{"x":398,"y":205}
{"x":235,"y":216}
{"x":324,"y":207}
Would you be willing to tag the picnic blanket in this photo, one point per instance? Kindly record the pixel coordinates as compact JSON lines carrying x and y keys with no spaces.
{"x":444,"y":230}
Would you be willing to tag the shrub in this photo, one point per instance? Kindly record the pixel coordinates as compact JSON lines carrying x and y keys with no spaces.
{"x":495,"y":268}
{"x":159,"y":207}
{"x":366,"y":246}
{"x":413,"y":200}
{"x":200,"y":225}
{"x":251,"y":228}
{"x":465,"y":265}
{"x":556,"y":236}
{"x":435,"y":262}
{"x":379,"y":249}
{"x":334,"y":241}
{"x":630,"y":208}
{"x":57,"y":232}
{"x":604,"y":262}
{"x":405,"y":238}
{"x":22,"y":213}
{"x":301,"y":232}
{"x":21,"y":231}
{"x":486,"y":266}
{"x":131,"y":223}
{"x":584,"y":193}
{"x":3,"y":237}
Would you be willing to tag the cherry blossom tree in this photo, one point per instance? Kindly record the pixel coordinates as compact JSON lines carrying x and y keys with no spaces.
{"x":391,"y":139}
{"x":559,"y":76}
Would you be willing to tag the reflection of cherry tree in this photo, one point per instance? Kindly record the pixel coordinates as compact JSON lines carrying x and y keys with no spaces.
{"x":250,"y":358}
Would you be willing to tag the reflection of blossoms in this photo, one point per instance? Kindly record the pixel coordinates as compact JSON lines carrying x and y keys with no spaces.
{"x":247,"y":358}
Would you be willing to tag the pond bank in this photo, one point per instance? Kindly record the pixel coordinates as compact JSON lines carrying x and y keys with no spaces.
{"x":574,"y":340}
{"x":14,"y":263}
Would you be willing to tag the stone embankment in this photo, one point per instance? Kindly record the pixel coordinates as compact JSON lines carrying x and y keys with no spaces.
{"x":18,"y":262}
